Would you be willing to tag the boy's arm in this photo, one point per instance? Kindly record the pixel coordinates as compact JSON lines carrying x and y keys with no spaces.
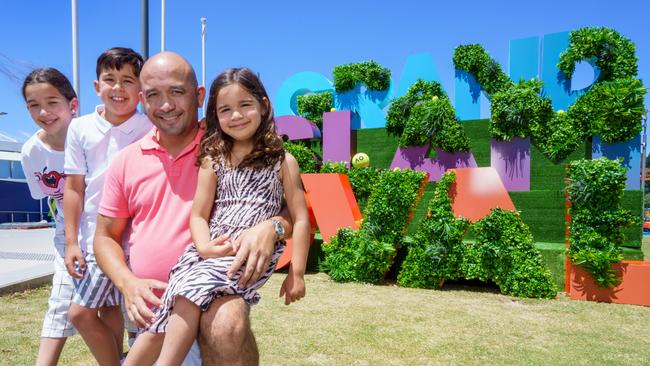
{"x":206,"y":188}
{"x":74,"y":191}
{"x":294,"y":284}
{"x":110,"y":258}
{"x":73,"y":198}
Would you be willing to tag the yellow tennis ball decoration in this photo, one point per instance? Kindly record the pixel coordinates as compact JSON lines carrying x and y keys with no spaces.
{"x":360,"y":160}
{"x":332,"y":109}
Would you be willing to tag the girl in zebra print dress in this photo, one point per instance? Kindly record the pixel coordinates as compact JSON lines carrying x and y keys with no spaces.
{"x":243,"y":177}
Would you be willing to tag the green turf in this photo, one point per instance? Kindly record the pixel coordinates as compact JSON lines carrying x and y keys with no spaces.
{"x":478,"y":132}
{"x":633,"y":201}
{"x":421,"y":208}
{"x":378,"y":145}
{"x":544,"y":175}
{"x":543,"y":212}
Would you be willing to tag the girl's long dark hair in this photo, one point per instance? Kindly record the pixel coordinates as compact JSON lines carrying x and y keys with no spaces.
{"x":52,"y":76}
{"x":267,"y":145}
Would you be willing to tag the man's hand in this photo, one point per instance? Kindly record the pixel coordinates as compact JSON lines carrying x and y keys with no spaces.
{"x":74,"y":255}
{"x":137,"y":293}
{"x":254,"y":247}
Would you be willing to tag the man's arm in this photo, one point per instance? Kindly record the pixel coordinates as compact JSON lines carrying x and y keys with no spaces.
{"x":73,"y":198}
{"x":110,"y":258}
{"x":255,"y":246}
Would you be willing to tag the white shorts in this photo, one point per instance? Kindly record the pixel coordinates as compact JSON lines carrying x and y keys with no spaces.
{"x":56,"y":323}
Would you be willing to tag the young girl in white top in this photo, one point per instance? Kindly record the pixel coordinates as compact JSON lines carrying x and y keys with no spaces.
{"x":244,"y":175}
{"x":52,"y":103}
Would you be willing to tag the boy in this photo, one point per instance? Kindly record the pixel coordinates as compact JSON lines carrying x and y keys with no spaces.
{"x":92,"y":142}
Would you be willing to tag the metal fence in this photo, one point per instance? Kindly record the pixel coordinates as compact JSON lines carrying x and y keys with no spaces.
{"x":23,"y":216}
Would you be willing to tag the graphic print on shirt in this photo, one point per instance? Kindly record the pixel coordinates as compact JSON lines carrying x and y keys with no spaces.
{"x":52,"y":184}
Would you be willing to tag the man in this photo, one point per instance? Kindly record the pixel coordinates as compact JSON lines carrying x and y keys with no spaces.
{"x":146,"y":205}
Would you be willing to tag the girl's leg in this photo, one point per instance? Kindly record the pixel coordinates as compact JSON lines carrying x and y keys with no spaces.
{"x":112,"y":317}
{"x":145,"y":350}
{"x":182,"y":330}
{"x":49,"y":351}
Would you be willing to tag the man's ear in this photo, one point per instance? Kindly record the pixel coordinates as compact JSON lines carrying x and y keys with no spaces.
{"x":200,"y":94}
{"x":96,"y":85}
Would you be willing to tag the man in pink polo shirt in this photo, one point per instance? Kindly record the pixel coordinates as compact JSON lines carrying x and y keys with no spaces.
{"x":146,"y":205}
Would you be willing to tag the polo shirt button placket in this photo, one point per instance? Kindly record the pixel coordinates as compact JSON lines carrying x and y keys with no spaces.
{"x":175,"y":169}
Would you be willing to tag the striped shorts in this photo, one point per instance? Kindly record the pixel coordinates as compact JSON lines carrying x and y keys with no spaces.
{"x":56,"y":323}
{"x":203,"y":280}
{"x":95,"y":289}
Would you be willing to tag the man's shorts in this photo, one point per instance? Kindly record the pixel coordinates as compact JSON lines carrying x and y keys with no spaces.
{"x":95,"y":289}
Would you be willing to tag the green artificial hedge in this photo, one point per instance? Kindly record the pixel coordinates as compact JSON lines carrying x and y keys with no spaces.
{"x":304,"y":156}
{"x":424,"y":115}
{"x":612,"y":108}
{"x":362,"y":180}
{"x":502,"y":252}
{"x":312,"y":106}
{"x":595,"y":191}
{"x":519,"y":111}
{"x":435,"y":252}
{"x":615,"y":55}
{"x":373,"y":75}
{"x":365,"y":255}
{"x":474,"y":60}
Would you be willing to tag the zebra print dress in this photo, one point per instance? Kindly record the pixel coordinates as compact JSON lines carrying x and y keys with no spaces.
{"x":244,"y":198}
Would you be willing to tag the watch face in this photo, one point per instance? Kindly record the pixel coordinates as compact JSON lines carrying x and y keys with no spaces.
{"x":279,"y":230}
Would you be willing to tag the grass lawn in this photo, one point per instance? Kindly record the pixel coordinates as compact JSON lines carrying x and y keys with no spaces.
{"x":355,"y":324}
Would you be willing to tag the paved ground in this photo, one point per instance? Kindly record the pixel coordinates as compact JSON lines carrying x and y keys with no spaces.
{"x":25,"y":258}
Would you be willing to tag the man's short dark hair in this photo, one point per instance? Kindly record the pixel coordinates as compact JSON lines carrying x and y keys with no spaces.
{"x":116,"y":57}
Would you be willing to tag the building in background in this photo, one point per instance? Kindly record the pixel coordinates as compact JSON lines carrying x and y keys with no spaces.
{"x":16,"y":204}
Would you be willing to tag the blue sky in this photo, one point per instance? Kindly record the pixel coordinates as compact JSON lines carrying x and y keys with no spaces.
{"x":278,"y":39}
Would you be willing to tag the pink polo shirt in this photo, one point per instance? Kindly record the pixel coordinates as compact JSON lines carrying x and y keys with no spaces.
{"x":155,"y":191}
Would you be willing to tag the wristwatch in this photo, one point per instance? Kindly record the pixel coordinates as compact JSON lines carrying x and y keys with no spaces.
{"x":279,"y":230}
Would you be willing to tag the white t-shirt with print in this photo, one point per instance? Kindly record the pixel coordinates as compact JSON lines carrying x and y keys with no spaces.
{"x":43,"y":168}
{"x":91,"y":144}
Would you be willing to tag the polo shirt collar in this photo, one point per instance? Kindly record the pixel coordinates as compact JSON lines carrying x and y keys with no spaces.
{"x":126,"y":127}
{"x":150,"y":141}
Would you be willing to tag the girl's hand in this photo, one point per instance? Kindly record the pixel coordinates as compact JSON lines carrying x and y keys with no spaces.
{"x":293,"y":288}
{"x":219,"y":247}
{"x":74,"y":255}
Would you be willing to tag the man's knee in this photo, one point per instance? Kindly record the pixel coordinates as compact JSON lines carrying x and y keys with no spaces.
{"x":225,"y":320}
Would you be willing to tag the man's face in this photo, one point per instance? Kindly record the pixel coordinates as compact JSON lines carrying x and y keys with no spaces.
{"x":170,"y":98}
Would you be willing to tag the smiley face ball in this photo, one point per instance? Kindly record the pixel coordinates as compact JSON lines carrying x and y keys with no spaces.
{"x":360,"y":160}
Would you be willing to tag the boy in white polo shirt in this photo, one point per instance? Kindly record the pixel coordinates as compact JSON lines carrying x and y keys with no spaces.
{"x":92,"y":142}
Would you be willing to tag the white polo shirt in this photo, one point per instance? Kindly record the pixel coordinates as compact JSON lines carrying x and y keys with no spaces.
{"x":91,"y":144}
